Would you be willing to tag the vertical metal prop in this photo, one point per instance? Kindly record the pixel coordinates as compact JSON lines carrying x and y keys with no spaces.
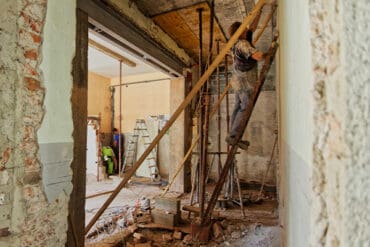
{"x":112,"y":90}
{"x":200,"y":168}
{"x":120,"y":120}
{"x":218,"y":113}
{"x":227,"y":98}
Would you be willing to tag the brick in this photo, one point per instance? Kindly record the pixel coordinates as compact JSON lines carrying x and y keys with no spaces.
{"x":31,"y":178}
{"x":148,"y":244}
{"x":5,"y":156}
{"x":32,"y":84}
{"x":139,"y":236}
{"x":167,"y":238}
{"x":4,"y":232}
{"x":177,"y":235}
{"x":217,"y":230}
{"x":31,"y":54}
{"x":132,"y":228}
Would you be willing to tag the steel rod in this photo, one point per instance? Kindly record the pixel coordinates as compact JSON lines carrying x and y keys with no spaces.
{"x":201,"y":174}
{"x":120,"y":121}
{"x":219,"y":167}
{"x":268,"y":169}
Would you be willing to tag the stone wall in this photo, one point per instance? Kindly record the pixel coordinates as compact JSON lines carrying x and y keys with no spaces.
{"x":27,"y":218}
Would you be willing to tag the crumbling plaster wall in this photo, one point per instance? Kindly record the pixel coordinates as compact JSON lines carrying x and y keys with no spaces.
{"x":28,"y":216}
{"x":340,"y":38}
{"x":324,"y":93}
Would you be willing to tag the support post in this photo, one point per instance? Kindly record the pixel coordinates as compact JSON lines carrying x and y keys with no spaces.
{"x":199,"y":173}
{"x":120,"y":121}
{"x":218,"y":114}
{"x":76,"y":205}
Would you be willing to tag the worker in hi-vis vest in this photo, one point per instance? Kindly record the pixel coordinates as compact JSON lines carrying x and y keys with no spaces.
{"x":109,"y":159}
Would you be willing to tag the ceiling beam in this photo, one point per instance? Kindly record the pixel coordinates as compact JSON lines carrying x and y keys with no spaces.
{"x":121,"y":28}
{"x":109,"y":52}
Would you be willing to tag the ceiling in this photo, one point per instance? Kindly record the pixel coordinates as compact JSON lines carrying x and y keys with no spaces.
{"x":107,"y":66}
{"x":179,"y":19}
{"x":183,"y":26}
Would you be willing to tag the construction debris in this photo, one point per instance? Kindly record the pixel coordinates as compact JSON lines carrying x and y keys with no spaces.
{"x":177,"y":235}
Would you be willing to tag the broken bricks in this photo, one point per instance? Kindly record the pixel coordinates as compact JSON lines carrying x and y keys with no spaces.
{"x":139,"y":238}
{"x":167,"y":238}
{"x":177,"y":235}
{"x":217,"y":230}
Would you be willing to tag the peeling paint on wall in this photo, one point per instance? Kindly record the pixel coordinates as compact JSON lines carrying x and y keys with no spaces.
{"x":26,"y":218}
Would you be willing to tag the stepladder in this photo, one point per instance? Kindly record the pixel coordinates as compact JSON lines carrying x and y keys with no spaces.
{"x":141,"y":137}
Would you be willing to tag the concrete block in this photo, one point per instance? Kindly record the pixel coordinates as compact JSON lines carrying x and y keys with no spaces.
{"x":168,"y":204}
{"x":163,"y":217}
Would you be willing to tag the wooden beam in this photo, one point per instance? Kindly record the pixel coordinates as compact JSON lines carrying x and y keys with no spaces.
{"x":76,"y":206}
{"x":177,"y":113}
{"x":264,"y":25}
{"x":109,"y":52}
{"x":120,"y":26}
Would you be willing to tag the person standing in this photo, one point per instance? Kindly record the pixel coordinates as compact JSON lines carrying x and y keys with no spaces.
{"x":117,"y":142}
{"x":244,"y":76}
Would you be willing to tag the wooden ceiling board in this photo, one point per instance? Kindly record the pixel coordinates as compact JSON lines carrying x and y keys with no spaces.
{"x":183,"y":26}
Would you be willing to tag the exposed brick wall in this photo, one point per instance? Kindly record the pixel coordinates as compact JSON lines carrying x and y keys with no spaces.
{"x":27,"y":219}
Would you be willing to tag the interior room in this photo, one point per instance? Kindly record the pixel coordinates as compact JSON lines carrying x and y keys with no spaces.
{"x":184,"y":123}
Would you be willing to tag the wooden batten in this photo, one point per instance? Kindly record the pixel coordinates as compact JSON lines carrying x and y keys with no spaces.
{"x":109,"y":52}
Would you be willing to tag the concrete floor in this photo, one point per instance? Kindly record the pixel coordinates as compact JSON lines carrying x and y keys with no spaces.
{"x":258,"y":228}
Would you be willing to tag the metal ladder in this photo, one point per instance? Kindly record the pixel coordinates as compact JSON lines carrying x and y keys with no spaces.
{"x":141,"y":130}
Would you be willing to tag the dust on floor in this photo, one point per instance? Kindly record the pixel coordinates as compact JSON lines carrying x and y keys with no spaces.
{"x":259,"y":227}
